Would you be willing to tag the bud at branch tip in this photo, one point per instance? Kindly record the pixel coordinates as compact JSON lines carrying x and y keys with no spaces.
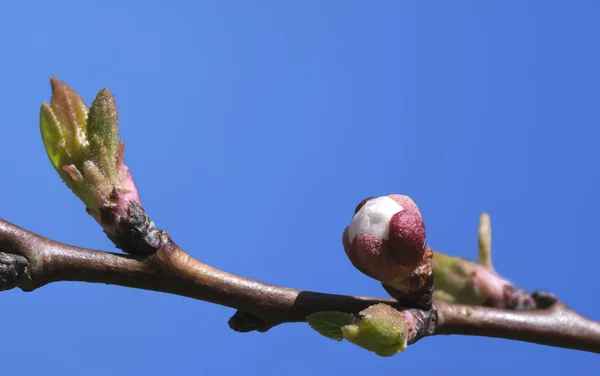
{"x":485,"y":241}
{"x":84,"y":147}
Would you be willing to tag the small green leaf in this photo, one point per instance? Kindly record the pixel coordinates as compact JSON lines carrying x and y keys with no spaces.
{"x":70,"y":109}
{"x":53,"y":137}
{"x":380,"y":329}
{"x":103,"y":133}
{"x":70,"y":114}
{"x":485,"y":241}
{"x":329,"y":324}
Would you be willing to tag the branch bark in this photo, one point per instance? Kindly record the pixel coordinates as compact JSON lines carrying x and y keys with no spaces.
{"x":29,"y":261}
{"x":556,"y":326}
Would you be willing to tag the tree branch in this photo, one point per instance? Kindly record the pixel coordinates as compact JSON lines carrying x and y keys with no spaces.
{"x":555,"y":326}
{"x":169,"y":270}
{"x":29,"y":261}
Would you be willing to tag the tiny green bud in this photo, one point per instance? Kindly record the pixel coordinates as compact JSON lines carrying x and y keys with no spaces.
{"x":454,"y":277}
{"x":380,"y":329}
{"x":485,"y":241}
{"x":469,"y":283}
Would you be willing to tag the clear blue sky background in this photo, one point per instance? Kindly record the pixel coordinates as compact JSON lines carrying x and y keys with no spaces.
{"x":254,"y":128}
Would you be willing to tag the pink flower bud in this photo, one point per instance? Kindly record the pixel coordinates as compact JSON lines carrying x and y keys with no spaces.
{"x":386,"y":238}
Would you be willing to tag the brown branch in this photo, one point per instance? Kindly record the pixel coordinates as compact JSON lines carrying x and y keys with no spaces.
{"x":555,"y":326}
{"x":30,"y":261}
{"x":169,"y":270}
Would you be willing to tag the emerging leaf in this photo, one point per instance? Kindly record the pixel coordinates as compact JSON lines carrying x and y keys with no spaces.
{"x":54,"y":138}
{"x":329,"y":324}
{"x":103,"y":133}
{"x":485,"y":241}
{"x":380,"y":329}
{"x":83,"y":146}
{"x":68,"y":113}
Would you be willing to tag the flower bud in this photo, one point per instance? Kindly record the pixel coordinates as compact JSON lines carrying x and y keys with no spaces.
{"x":386,"y":238}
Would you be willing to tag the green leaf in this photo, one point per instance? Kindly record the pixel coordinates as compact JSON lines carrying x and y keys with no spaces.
{"x":69,"y":113}
{"x":103,"y":133}
{"x":329,"y":324}
{"x":380,"y":329}
{"x":53,"y":137}
{"x":485,"y":241}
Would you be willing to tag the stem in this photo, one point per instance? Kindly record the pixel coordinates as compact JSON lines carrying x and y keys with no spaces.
{"x":169,"y":270}
{"x":30,"y":261}
{"x":555,"y":326}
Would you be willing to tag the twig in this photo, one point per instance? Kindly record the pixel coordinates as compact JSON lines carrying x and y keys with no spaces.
{"x":462,"y":281}
{"x":30,"y":261}
{"x":555,"y":326}
{"x":169,"y":270}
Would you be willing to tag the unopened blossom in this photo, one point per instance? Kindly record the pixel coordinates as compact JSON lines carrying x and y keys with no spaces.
{"x":386,"y":237}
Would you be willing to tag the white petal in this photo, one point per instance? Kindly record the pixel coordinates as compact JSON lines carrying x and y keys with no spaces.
{"x":374,"y":218}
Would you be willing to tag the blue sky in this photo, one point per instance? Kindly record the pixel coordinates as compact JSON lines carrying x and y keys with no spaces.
{"x":254,"y":128}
